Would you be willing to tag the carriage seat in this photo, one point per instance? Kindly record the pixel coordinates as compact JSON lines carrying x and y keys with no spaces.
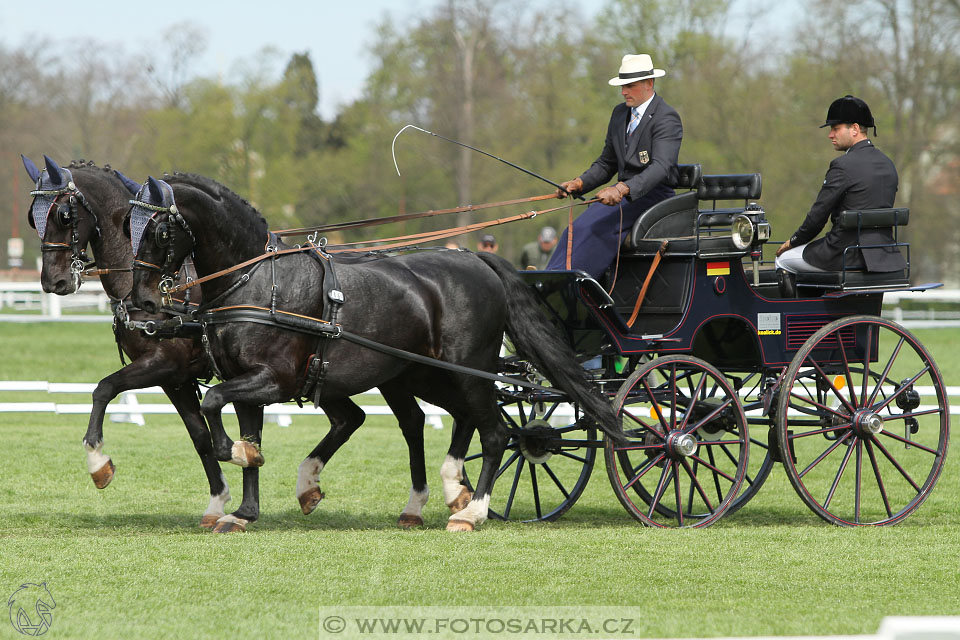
{"x":680,"y":217}
{"x":670,"y":211}
{"x":856,"y":278}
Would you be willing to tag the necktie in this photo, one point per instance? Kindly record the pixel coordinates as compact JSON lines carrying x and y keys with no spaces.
{"x":634,"y":120}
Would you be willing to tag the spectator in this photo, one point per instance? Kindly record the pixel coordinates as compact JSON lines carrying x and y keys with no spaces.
{"x":536,"y":255}
{"x":487,"y":243}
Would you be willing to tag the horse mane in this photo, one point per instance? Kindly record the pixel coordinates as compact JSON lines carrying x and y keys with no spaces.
{"x":218,"y":191}
{"x":81,"y":164}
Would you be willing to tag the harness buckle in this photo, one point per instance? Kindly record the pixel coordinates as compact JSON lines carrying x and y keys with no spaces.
{"x":336,"y":295}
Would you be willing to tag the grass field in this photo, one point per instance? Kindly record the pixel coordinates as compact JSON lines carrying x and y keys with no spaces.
{"x":131,"y":562}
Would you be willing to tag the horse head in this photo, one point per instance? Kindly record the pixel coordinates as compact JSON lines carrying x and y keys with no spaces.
{"x":74,"y":208}
{"x":161,"y":240}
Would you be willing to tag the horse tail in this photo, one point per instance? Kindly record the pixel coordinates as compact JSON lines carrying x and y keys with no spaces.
{"x":536,"y":338}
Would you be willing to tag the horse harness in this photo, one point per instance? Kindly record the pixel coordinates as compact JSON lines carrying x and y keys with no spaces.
{"x":67,"y":217}
{"x":324,"y":328}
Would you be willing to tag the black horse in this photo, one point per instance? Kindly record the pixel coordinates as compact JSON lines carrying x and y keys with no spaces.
{"x":267,"y":319}
{"x":85,"y":205}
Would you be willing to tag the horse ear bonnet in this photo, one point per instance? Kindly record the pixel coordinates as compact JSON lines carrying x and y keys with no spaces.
{"x":154,"y":193}
{"x":31,"y":168}
{"x":131,"y":186}
{"x":52,"y":178}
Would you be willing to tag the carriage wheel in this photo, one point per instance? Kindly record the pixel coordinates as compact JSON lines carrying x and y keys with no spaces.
{"x":686,"y":457}
{"x":858,"y":442}
{"x":547,"y":463}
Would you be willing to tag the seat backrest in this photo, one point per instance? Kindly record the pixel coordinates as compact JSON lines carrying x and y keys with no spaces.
{"x":668,"y":218}
{"x":736,"y":186}
{"x":689,"y":176}
{"x":873,"y":218}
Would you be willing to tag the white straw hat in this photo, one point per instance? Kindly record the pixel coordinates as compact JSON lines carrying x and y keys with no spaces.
{"x":636,"y":67}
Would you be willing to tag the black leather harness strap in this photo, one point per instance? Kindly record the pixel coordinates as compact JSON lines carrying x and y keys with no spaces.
{"x":312,"y":326}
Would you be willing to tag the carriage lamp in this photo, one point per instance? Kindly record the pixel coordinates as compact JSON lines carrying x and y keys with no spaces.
{"x":746,"y":231}
{"x":742,"y":231}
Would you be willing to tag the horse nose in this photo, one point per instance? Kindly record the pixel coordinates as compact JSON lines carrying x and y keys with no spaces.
{"x":60,"y":287}
{"x":149,"y":306}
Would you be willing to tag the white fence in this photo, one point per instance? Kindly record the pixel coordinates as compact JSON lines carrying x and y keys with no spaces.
{"x":29,"y":296}
{"x":128,"y":408}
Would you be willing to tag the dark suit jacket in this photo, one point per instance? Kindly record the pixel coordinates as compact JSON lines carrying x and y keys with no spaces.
{"x":862,"y":178}
{"x":647,"y":158}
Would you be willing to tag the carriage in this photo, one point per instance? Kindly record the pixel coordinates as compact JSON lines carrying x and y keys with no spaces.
{"x":715,"y":372}
{"x":718,"y":373}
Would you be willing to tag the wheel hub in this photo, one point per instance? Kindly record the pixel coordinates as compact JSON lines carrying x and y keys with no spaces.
{"x":681,"y":445}
{"x":537,"y":441}
{"x":868,"y":422}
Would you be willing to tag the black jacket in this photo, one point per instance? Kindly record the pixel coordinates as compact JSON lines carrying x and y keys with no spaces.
{"x":862,"y":178}
{"x":644,"y":160}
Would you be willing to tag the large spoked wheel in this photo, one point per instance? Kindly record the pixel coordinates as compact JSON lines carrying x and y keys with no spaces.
{"x":550,"y":455}
{"x":686,"y":457}
{"x":863,"y":422}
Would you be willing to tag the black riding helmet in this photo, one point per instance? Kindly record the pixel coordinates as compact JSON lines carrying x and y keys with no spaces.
{"x":849,"y":110}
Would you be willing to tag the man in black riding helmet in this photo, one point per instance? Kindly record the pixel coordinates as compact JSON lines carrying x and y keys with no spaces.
{"x":862,"y":178}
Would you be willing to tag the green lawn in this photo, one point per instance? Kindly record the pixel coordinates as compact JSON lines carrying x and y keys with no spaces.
{"x":130,"y":561}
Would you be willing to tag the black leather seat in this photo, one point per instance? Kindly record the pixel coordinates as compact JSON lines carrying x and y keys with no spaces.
{"x":857,"y":279}
{"x":670,"y":217}
{"x":680,"y":217}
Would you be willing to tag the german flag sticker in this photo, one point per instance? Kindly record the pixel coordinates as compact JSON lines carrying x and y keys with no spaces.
{"x":718,"y":268}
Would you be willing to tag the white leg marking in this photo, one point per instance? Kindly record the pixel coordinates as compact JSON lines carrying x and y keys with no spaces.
{"x":416,"y":502}
{"x":96,"y":458}
{"x":475,"y":512}
{"x":451,"y":473}
{"x":307,"y":475}
{"x":217,"y":503}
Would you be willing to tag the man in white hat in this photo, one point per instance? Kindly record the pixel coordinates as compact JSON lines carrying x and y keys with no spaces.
{"x":641,"y":149}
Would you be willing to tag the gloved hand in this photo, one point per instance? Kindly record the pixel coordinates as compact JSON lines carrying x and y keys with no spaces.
{"x":613,"y":195}
{"x":573,"y":187}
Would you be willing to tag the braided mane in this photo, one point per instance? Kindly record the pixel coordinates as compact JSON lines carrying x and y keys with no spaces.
{"x":81,"y":163}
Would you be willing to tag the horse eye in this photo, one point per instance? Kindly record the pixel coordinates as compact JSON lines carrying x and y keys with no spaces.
{"x":63,"y":215}
{"x":163,"y":234}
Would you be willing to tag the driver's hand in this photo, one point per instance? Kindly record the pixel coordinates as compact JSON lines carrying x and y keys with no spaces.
{"x":613,"y":195}
{"x":573,"y":187}
{"x":784,"y":247}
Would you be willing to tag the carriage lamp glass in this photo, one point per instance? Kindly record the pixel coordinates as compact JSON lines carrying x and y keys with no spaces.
{"x":763,"y":231}
{"x":742,"y":232}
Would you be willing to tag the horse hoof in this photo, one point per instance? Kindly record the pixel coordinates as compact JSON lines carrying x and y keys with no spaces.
{"x":246,"y":454}
{"x":102,"y":476}
{"x":230,"y":525}
{"x":310,"y":500}
{"x":409,"y":521}
{"x":461,"y":501}
{"x":209,"y":521}
{"x":459,"y":525}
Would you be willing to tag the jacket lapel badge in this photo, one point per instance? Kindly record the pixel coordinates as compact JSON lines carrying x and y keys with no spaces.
{"x":644,"y":157}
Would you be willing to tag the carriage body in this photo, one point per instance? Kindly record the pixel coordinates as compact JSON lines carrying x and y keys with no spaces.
{"x":718,"y":361}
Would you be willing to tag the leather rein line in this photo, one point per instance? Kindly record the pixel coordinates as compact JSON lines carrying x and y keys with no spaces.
{"x":383,"y":244}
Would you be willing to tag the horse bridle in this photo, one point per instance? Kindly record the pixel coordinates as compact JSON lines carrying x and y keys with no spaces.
{"x":67,"y":214}
{"x":165,"y":237}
